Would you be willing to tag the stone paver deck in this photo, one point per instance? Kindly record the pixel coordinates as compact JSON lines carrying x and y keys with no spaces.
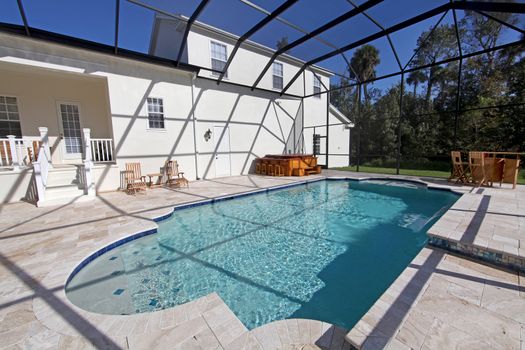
{"x":442,"y":301}
{"x":40,"y":247}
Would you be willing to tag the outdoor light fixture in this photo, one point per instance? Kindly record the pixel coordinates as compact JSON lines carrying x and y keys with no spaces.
{"x":207,"y":135}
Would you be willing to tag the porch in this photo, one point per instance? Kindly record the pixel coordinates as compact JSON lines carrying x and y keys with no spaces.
{"x":53,"y":121}
{"x":28,"y":172}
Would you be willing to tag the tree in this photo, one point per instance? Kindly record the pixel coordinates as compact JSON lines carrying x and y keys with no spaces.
{"x":364,"y":62}
{"x":415,"y":78}
{"x":282,"y":42}
{"x":431,"y":48}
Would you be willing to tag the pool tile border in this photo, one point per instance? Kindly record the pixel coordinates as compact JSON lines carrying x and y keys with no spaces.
{"x":499,"y":258}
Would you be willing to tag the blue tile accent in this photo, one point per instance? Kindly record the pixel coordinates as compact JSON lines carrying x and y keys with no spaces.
{"x":118,"y":291}
{"x":153,"y":302}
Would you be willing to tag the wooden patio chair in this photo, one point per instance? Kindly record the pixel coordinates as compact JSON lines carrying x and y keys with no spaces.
{"x":459,"y":168}
{"x":173,"y":175}
{"x":476,"y":161}
{"x":135,"y":182}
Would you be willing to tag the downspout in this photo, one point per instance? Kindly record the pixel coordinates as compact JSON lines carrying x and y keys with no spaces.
{"x":194,"y":123}
{"x":327,"y":126}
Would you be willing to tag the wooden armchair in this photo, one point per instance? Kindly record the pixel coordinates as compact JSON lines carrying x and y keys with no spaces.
{"x":174,"y":176}
{"x":476,"y":161}
{"x":459,"y":168}
{"x":134,"y":180}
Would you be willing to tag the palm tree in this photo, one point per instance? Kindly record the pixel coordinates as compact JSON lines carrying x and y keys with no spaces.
{"x":415,"y":78}
{"x":364,"y":62}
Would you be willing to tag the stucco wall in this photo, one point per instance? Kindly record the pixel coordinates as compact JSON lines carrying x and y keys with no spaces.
{"x":38,"y":92}
{"x":259,"y":122}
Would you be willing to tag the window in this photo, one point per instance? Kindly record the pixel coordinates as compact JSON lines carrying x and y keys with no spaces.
{"x":155,"y":113}
{"x":9,"y":117}
{"x":277,"y":76}
{"x":218,"y":58}
{"x":317,"y":86}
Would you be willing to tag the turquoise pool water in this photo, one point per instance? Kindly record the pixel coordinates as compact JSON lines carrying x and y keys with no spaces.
{"x":326,"y":251}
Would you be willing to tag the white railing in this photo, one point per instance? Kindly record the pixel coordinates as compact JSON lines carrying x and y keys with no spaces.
{"x":102,"y":150}
{"x":89,"y":180}
{"x":18,"y":152}
{"x":41,"y":170}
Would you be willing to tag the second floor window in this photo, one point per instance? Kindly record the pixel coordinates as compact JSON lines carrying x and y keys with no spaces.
{"x":9,"y":117}
{"x":155,"y":113}
{"x":277,"y":76}
{"x":317,"y":86}
{"x":218,"y":57}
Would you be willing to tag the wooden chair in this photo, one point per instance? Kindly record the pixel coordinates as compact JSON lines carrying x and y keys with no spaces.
{"x":476,"y":161}
{"x":174,"y":176}
{"x":459,"y":168}
{"x":134,"y":180}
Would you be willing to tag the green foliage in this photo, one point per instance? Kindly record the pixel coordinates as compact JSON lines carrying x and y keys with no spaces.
{"x":428,"y":123}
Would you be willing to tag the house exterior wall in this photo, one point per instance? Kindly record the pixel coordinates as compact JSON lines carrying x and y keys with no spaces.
{"x":246,"y":65}
{"x":260,"y":122}
{"x":38,"y":92}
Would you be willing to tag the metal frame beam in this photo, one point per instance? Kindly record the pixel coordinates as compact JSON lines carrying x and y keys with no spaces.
{"x":286,"y":5}
{"x":117,"y":20}
{"x":445,"y":61}
{"x":377,"y":35}
{"x":193,"y":18}
{"x":507,"y":7}
{"x":352,"y":13}
{"x":23,"y":15}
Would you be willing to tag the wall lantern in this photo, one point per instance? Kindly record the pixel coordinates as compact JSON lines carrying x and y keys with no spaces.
{"x":207,"y":135}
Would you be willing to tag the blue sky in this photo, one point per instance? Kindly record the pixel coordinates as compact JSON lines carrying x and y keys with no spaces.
{"x":94,"y":20}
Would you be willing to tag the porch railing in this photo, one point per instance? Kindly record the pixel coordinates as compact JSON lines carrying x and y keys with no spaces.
{"x":41,"y":171}
{"x":19,"y":152}
{"x":102,"y":150}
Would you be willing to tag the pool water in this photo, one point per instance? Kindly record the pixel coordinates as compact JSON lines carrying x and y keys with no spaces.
{"x":325,"y":251}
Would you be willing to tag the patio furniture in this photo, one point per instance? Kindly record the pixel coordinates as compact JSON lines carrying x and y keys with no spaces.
{"x":135,"y":182}
{"x":157,"y":183}
{"x":505,"y":170}
{"x":174,"y":176}
{"x":477,"y":166}
{"x":459,"y":168}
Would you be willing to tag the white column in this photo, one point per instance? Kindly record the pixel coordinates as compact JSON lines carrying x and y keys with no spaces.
{"x":14,"y":153}
{"x":88,"y":164}
{"x":44,"y":138}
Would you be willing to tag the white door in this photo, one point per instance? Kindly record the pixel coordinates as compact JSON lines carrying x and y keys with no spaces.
{"x":70,"y":130}
{"x":222,"y":155}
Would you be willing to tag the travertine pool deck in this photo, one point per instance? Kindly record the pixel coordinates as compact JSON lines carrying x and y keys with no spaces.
{"x":41,"y":246}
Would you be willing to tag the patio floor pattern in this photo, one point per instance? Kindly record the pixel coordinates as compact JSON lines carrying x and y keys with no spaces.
{"x":423,"y":309}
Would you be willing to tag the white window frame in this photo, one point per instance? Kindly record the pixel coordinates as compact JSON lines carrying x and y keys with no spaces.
{"x":152,"y":101}
{"x":212,"y":42}
{"x":17,"y":100}
{"x":277,"y":76}
{"x":317,"y":86}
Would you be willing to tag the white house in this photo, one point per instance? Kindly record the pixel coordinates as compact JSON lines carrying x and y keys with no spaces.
{"x":93,"y":111}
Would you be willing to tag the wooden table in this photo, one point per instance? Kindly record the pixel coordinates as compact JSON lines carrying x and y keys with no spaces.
{"x":504,"y":169}
{"x":158,"y":183}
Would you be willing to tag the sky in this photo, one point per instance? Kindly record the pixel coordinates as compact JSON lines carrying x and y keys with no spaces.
{"x":94,"y":20}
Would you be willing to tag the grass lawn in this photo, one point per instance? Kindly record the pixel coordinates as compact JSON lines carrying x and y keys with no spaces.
{"x":412,"y":172}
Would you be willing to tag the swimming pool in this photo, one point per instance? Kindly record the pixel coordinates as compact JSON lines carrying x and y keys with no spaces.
{"x":326,"y":250}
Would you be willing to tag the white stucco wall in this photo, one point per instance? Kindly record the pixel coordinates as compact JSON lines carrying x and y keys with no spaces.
{"x":38,"y":92}
{"x":259,"y":122}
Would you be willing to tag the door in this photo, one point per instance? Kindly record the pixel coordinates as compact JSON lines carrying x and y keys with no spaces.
{"x":221,"y":138}
{"x":70,"y":130}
